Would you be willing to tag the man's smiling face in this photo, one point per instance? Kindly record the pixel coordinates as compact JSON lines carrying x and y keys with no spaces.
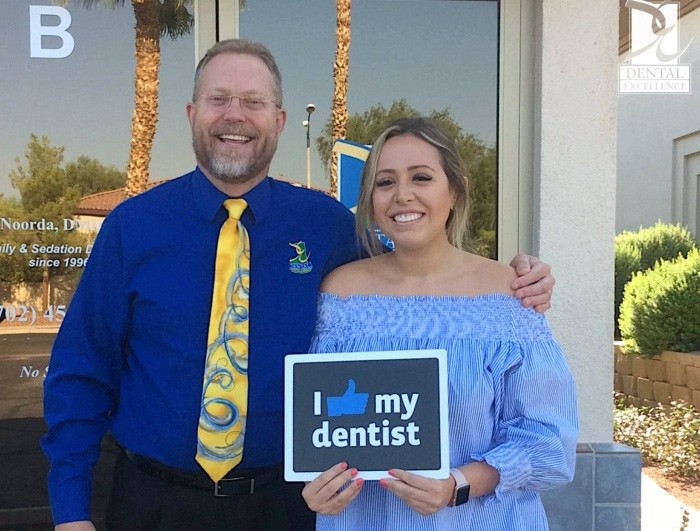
{"x":234,"y":142}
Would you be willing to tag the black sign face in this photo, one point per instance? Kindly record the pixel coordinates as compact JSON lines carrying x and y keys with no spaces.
{"x":374,"y":410}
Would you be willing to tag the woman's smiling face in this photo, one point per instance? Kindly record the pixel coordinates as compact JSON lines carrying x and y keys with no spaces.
{"x":411,"y":199}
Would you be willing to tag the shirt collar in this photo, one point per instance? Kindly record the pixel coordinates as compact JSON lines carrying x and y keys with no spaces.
{"x":209,"y":200}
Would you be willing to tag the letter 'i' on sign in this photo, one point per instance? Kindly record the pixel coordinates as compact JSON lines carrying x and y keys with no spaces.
{"x":317,"y":402}
{"x":37,"y":31}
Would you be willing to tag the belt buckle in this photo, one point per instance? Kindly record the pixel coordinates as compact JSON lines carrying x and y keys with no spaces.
{"x":217,"y":486}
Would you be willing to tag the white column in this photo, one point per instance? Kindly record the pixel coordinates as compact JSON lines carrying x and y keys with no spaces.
{"x":574,"y":190}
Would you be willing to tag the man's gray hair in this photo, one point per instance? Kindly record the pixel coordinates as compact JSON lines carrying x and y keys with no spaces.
{"x":243,"y":47}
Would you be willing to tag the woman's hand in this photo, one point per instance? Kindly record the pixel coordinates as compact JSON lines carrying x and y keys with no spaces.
{"x":424,"y":495}
{"x":324,"y":495}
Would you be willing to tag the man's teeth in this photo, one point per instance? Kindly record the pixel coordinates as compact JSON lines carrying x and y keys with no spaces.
{"x":403,"y":218}
{"x":235,"y":138}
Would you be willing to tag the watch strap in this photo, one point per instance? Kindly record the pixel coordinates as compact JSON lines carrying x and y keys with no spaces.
{"x":461,"y":484}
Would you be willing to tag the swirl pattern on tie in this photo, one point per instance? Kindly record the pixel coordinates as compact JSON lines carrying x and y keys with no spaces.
{"x":224,"y":410}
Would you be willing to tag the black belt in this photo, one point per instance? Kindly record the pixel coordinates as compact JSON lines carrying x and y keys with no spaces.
{"x":234,"y":485}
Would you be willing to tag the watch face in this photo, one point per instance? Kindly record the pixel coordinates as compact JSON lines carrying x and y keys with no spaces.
{"x":462,"y":495}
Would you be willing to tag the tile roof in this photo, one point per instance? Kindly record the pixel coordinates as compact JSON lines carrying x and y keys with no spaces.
{"x":102,"y":203}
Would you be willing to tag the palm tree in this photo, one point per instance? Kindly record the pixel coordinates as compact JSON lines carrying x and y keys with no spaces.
{"x":339,"y":113}
{"x":154,"y":19}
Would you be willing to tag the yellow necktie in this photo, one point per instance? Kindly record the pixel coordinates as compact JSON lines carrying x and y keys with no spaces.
{"x":225,"y":393}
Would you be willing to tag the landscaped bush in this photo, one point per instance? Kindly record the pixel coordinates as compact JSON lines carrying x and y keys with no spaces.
{"x":639,"y":251}
{"x":667,"y":436}
{"x":628,"y":259}
{"x":661,"y":308}
{"x":663,"y":241}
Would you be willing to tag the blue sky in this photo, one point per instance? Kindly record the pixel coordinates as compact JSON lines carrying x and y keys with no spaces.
{"x":433,"y":53}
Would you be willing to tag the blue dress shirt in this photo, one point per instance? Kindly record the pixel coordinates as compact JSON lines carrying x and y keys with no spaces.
{"x":129,"y":356}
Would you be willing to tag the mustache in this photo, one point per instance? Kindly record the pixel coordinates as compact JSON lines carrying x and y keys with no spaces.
{"x":233,"y":130}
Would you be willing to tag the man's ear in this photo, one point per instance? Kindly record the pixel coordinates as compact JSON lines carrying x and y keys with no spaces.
{"x":281,"y":120}
{"x":189,"y":109}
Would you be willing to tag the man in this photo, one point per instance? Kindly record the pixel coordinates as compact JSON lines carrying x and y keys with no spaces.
{"x":130,"y":355}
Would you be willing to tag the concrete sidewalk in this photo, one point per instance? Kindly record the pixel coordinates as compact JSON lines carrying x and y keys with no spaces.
{"x":663,"y":512}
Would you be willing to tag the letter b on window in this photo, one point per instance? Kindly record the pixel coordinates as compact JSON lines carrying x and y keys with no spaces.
{"x":37,"y":31}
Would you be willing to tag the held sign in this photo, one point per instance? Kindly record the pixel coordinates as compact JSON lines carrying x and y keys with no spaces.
{"x":374,"y":410}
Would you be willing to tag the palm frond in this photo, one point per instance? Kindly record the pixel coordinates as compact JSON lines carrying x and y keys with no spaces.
{"x":112,"y":4}
{"x":175,"y":18}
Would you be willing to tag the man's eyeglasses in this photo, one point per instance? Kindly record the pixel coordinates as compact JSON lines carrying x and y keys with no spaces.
{"x":247,"y":103}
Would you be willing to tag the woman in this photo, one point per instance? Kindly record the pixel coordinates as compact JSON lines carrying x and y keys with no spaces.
{"x":512,"y":407}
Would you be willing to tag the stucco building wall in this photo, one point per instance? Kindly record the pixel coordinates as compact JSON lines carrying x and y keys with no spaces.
{"x":574,"y":210}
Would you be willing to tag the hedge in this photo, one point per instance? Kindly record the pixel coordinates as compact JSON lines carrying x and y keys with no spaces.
{"x":660,"y":308}
{"x":641,"y":250}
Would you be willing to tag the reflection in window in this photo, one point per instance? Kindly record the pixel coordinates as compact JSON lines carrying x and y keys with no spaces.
{"x":435,"y":58}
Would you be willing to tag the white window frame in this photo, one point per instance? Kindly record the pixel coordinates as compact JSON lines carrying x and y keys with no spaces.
{"x":208,"y":26}
{"x":516,"y":103}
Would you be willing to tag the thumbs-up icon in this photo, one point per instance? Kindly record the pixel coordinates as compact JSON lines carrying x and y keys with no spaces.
{"x":350,"y":403}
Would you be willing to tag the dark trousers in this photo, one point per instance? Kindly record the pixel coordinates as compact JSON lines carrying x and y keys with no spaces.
{"x":142,"y":502}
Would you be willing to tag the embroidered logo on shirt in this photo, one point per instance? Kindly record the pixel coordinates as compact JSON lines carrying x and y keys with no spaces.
{"x":301,"y":263}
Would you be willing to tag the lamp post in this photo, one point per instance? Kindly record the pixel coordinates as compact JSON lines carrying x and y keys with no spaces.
{"x":307,"y":123}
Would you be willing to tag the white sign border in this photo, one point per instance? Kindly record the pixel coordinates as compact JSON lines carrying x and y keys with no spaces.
{"x":292,"y":359}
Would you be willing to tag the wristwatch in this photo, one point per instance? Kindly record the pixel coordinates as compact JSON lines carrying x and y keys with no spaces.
{"x":461,"y":492}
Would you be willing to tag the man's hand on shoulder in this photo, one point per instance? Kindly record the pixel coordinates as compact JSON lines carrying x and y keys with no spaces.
{"x":83,"y":525}
{"x":534,"y":283}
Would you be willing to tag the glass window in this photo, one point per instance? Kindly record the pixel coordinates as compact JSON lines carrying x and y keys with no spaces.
{"x":67,"y":105}
{"x":428,"y":57}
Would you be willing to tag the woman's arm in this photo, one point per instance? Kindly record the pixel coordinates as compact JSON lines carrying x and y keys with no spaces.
{"x":537,"y":426}
{"x":427,"y":496}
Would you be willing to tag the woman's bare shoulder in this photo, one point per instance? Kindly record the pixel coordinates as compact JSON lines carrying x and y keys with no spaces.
{"x":348,"y":279}
{"x":494,"y":276}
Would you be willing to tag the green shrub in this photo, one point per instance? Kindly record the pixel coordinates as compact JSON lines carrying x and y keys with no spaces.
{"x":484,"y":243}
{"x":668,"y":436}
{"x":663,"y":241}
{"x":641,"y":250}
{"x":661,"y":308}
{"x":628,"y":259}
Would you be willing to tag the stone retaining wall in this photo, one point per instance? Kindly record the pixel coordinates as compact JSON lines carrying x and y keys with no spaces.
{"x":663,"y":379}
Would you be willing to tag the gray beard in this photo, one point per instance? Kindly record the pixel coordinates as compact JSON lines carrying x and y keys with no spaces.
{"x":226,"y":170}
{"x":231,"y":171}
